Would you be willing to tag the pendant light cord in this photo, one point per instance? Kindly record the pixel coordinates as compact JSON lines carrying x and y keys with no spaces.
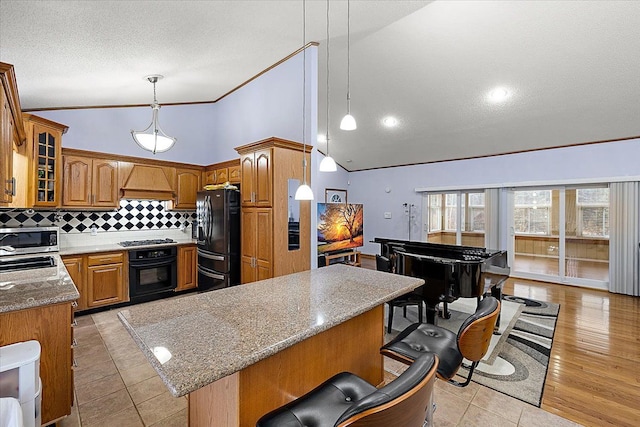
{"x":304,"y":92}
{"x":328,"y":155}
{"x":348,"y":57}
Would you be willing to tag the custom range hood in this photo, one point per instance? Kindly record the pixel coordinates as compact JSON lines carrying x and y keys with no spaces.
{"x":146,"y":182}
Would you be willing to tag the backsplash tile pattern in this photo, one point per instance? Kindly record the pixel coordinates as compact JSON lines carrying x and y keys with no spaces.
{"x":132,"y":215}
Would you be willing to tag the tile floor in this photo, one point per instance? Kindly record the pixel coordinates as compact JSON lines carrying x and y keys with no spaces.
{"x":116,"y":386}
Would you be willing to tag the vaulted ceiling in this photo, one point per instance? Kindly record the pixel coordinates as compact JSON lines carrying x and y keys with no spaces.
{"x":571,"y":70}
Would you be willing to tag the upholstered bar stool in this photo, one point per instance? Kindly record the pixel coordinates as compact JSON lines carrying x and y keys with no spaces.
{"x":471,"y":342}
{"x":348,"y":400}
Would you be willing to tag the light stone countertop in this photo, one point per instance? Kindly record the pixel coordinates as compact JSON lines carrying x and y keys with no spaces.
{"x":110,"y":247}
{"x":211,"y":335}
{"x":36,"y":287}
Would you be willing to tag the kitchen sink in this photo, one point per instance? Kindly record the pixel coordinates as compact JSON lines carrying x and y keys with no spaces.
{"x":26,"y":263}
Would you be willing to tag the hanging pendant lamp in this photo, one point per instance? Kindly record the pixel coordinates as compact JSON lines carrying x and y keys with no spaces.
{"x":328,"y":164}
{"x":348,"y":122}
{"x":153,"y":137}
{"x":304,"y":192}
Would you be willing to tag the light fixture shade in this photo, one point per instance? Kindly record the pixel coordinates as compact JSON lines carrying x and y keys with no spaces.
{"x":348,"y":123}
{"x":328,"y":165}
{"x":153,"y":142}
{"x":304,"y":192}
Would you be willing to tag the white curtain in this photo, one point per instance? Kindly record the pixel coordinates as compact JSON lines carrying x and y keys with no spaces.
{"x":624,"y":238}
{"x":492,"y":218}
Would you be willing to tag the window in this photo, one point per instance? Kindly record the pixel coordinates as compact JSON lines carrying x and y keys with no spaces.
{"x":532,"y":212}
{"x":475,"y":212}
{"x":450,"y":212}
{"x":593,"y":212}
{"x":435,"y":212}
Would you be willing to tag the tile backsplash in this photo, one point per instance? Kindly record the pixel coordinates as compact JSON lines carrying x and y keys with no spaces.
{"x":132,"y":215}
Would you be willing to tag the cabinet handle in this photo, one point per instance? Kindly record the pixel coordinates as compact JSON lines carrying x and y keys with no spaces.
{"x":74,"y":304}
{"x":74,"y":363}
{"x":11,"y":181}
{"x":74,"y":343}
{"x":74,"y":323}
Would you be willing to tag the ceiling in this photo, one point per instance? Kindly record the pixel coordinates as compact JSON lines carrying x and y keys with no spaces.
{"x":571,"y":68}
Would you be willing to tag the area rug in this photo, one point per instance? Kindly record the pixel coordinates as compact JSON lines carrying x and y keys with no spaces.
{"x":517,"y":361}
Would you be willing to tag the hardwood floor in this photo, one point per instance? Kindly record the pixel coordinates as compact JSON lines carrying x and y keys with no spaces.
{"x":594,"y":371}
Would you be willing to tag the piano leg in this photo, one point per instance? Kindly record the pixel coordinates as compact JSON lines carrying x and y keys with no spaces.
{"x":496,"y":292}
{"x":445,"y":313}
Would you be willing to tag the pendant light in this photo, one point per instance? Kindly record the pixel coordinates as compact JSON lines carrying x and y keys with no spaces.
{"x":348,"y":122}
{"x":155,"y":140}
{"x":328,"y":164}
{"x":304,"y":192}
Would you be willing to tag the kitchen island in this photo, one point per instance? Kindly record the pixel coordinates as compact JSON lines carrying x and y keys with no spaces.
{"x":242,"y":351}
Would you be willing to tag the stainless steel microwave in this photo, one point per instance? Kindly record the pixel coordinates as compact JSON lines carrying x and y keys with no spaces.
{"x":28,"y":240}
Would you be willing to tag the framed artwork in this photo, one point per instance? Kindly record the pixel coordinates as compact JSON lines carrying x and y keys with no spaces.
{"x":335,"y":195}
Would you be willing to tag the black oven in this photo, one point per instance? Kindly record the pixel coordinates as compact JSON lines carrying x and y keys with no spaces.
{"x":152,"y":272}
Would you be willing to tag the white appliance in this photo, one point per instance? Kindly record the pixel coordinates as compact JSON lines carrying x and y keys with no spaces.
{"x":20,"y":379}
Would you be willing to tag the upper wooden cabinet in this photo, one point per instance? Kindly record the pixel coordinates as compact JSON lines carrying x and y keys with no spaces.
{"x":89,"y":182}
{"x":188,"y":183}
{"x":219,"y":173}
{"x":147,"y":181}
{"x":39,"y":178}
{"x":256,"y":178}
{"x":12,"y":132}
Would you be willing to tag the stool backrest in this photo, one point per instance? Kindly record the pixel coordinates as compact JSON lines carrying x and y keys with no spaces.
{"x":474,"y":335}
{"x":383,"y":263}
{"x":403,"y":402}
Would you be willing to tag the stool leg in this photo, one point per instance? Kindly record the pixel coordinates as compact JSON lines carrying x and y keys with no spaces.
{"x":420,"y":312}
{"x":390,"y":322}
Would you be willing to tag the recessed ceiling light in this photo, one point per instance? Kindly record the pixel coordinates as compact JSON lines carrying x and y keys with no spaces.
{"x":322,"y":138}
{"x":390,"y":121}
{"x":498,"y":94}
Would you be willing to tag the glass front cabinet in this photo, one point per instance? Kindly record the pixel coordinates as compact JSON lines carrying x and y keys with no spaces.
{"x":46,"y":171}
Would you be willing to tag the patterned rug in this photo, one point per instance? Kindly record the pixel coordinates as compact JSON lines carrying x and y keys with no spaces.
{"x":517,"y":361}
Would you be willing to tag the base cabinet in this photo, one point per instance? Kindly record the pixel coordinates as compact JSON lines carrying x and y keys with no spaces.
{"x":187,"y":268}
{"x":51,"y":326}
{"x":100,"y":278}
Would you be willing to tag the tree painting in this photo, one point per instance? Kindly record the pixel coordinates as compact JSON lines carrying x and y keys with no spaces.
{"x":339,"y":226}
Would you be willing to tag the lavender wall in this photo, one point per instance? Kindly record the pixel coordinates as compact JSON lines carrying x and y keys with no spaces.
{"x":606,"y":162}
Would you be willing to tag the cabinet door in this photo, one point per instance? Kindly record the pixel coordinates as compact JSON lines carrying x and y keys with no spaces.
{"x":264,"y":243}
{"x":234,"y":174}
{"x":76,"y":188}
{"x":188,"y":184}
{"x":187,"y":268}
{"x":74,"y":268}
{"x":104,"y":285}
{"x":47,"y":147}
{"x":248,"y":245}
{"x":209,"y":177}
{"x":263,"y":178}
{"x":247,"y":180}
{"x":222,"y":175}
{"x":104,"y":185}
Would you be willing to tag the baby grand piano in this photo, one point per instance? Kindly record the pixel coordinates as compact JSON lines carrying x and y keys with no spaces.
{"x":450,"y":272}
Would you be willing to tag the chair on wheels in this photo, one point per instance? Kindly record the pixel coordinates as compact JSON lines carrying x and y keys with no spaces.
{"x":347,"y":400}
{"x":471,"y":342}
{"x":384,"y":264}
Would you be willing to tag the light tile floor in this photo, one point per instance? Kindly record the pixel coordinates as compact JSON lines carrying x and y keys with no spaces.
{"x":116,"y":386}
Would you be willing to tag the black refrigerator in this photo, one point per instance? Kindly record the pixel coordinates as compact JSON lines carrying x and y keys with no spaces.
{"x":218,"y":239}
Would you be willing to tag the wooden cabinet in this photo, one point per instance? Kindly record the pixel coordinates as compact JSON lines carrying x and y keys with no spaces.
{"x":256,"y":244}
{"x":89,"y":182}
{"x":256,"y":178}
{"x":188,"y":183}
{"x":219,"y":173}
{"x":45,"y":171}
{"x":105,"y":281}
{"x":74,"y":266}
{"x":266,"y":168}
{"x":11,"y":131}
{"x":51,"y":326}
{"x":187,"y":267}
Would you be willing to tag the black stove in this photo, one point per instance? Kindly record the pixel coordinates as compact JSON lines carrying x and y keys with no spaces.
{"x":146,"y":242}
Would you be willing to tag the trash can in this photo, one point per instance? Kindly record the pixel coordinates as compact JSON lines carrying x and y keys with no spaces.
{"x":20,"y":379}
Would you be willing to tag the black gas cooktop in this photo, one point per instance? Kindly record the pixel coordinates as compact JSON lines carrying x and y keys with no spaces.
{"x":146,"y":242}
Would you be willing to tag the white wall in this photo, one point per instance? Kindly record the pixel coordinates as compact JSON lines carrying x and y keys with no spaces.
{"x":270,"y":105}
{"x":606,"y":162}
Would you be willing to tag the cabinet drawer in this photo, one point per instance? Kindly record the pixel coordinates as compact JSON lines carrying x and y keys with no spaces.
{"x":105,"y":259}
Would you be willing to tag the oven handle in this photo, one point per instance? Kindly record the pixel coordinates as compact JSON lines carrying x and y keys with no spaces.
{"x":151,"y":264}
{"x":213,"y":257}
{"x":212,"y":275}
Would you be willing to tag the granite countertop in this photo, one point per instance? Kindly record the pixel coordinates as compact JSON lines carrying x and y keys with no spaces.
{"x":196,"y":340}
{"x":36,"y":287}
{"x":110,"y":247}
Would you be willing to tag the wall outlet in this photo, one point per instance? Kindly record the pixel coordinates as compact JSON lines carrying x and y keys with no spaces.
{"x":94,"y":231}
{"x":387,"y":215}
